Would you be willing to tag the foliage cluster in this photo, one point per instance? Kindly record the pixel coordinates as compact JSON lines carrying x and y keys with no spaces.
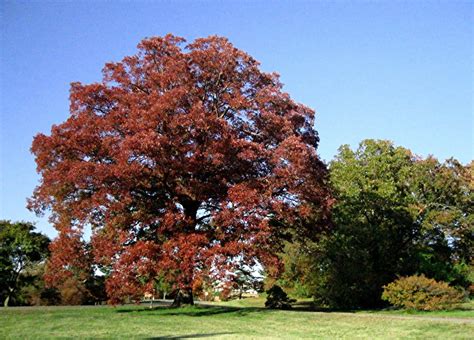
{"x":21,"y":250}
{"x":421,"y":293}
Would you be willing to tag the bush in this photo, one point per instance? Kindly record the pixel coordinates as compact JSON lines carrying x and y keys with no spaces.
{"x":278,"y":299}
{"x":421,"y":293}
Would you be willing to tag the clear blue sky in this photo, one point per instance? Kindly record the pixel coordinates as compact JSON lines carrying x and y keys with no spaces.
{"x":391,"y":70}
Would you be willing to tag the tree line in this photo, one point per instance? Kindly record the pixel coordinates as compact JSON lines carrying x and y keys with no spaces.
{"x":24,"y":255}
{"x":395,"y":214}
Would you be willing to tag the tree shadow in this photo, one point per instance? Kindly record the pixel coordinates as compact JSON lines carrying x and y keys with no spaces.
{"x":309,"y":306}
{"x":197,"y":310}
{"x":191,"y":336}
{"x":304,"y":306}
{"x":202,"y":309}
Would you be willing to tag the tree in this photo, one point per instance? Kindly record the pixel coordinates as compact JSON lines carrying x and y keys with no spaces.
{"x":20,"y":249}
{"x":298,"y":267}
{"x":278,"y":299}
{"x":181,"y":160}
{"x":244,"y":279}
{"x":374,"y":230}
{"x":396,"y":214}
{"x":35,"y":292}
{"x":443,"y":208}
{"x":162,"y":286}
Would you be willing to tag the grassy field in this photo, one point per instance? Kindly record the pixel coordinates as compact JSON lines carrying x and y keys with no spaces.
{"x":233,"y":320}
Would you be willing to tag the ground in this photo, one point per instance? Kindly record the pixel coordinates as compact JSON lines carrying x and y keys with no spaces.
{"x":244,"y":319}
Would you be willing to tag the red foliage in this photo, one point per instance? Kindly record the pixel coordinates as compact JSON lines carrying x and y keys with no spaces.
{"x":68,"y":260}
{"x":182,"y":159}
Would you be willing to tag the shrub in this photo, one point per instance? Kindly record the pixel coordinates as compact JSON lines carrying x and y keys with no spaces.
{"x":421,"y":293}
{"x":278,"y":299}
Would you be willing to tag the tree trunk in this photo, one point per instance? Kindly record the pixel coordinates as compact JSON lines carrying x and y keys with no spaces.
{"x":183,"y":297}
{"x":191,"y":207}
{"x":7,"y":299}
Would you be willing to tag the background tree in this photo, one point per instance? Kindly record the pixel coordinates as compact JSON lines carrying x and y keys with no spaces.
{"x":443,"y":207}
{"x":181,"y":160}
{"x":21,"y":248}
{"x":374,"y":229}
{"x":396,"y":214}
{"x":298,"y":262}
{"x":245,"y":278}
{"x":278,"y":299}
{"x":35,"y":291}
{"x":163,"y":286}
{"x":72,"y":272}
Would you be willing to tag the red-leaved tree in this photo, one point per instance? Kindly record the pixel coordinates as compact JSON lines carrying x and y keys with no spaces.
{"x":184,"y":160}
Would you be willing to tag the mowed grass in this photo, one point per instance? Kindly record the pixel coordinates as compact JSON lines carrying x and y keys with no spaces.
{"x":234,"y":320}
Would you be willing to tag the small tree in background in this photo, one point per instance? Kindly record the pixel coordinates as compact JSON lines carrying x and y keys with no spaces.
{"x":245,"y":278}
{"x":278,"y":299}
{"x":21,"y":249}
{"x":298,"y":268}
{"x":35,"y":292}
{"x":163,"y":286}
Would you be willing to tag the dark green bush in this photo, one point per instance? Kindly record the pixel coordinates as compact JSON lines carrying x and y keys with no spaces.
{"x":422,"y":293}
{"x":278,"y":299}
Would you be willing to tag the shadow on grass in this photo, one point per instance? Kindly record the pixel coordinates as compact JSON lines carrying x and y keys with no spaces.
{"x":191,"y":336}
{"x":195,"y":311}
{"x":204,"y":309}
{"x":308,"y":306}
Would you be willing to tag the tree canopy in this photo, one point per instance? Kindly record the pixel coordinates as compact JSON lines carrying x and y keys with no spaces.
{"x":395,"y":214}
{"x":20,"y":249}
{"x":184,"y":160}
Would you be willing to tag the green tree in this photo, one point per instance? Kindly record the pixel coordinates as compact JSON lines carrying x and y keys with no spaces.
{"x":163,"y":285}
{"x":278,"y":299}
{"x":21,"y":248}
{"x":245,"y":278}
{"x":443,"y":207}
{"x":395,"y":214}
{"x":298,"y":268}
{"x":35,"y":292}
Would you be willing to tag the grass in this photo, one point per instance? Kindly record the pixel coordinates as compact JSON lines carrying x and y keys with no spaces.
{"x":465,"y":310}
{"x":231,"y":320}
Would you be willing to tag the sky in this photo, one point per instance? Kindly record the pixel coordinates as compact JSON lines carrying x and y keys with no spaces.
{"x":397,"y":70}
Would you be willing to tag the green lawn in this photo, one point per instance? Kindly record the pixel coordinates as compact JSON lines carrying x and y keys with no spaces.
{"x":234,"y":320}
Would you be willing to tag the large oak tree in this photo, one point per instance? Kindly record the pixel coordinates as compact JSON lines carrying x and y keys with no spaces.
{"x":184,"y":160}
